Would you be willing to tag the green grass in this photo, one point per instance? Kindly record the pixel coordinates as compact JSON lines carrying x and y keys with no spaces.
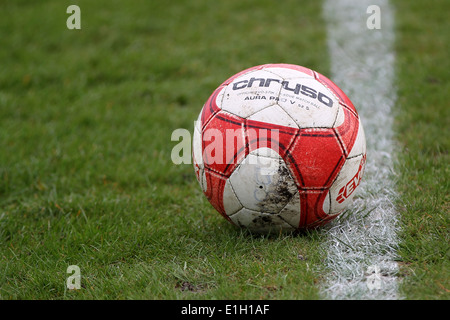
{"x":86,"y":176}
{"x":423,"y":123}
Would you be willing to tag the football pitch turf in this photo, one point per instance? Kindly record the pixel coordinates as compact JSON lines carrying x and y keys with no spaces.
{"x":86,"y":176}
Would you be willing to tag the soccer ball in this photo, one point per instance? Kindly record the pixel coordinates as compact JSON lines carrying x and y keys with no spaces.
{"x":279,"y":147}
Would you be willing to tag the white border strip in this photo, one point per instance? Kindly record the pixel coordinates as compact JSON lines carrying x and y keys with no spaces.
{"x":362,"y":246}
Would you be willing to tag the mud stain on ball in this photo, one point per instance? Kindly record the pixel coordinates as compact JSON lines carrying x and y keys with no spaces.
{"x":262,"y":221}
{"x":278,"y":193}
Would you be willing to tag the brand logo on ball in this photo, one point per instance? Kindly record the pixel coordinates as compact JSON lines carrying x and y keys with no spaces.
{"x":297,"y":89}
{"x":354,"y":182}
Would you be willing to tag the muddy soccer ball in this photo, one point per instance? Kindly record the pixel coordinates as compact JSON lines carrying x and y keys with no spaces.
{"x":279,"y":147}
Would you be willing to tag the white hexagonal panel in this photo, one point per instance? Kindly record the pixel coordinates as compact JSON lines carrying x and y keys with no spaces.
{"x":231,"y":203}
{"x":291,"y":212}
{"x":263,"y":184}
{"x":359,"y":147}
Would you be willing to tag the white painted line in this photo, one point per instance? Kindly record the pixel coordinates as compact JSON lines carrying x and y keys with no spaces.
{"x":361,"y":247}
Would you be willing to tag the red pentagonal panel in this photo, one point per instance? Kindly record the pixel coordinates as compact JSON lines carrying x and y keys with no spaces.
{"x":315,"y":158}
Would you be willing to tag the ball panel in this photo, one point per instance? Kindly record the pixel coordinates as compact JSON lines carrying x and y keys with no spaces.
{"x":315,"y":158}
{"x":347,"y":132}
{"x":210,"y":108}
{"x":359,"y":146}
{"x":214,"y":187}
{"x":219,"y":98}
{"x":291,"y":212}
{"x":231,"y":203}
{"x":223,"y":143}
{"x":263,"y":184}
{"x":312,"y":209}
{"x":340,"y":117}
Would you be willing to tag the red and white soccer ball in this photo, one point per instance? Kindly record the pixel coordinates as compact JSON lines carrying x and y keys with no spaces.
{"x":279,"y":147}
